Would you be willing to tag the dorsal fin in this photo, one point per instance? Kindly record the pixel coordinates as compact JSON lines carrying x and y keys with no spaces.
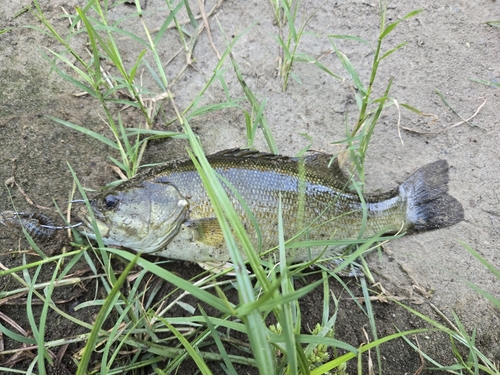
{"x":327,"y":166}
{"x":248,"y":153}
{"x":319,"y":163}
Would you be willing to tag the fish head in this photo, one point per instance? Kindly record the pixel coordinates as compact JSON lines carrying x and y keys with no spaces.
{"x":143,"y":217}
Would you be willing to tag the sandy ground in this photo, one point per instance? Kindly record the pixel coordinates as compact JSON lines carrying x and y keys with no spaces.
{"x":449,"y":45}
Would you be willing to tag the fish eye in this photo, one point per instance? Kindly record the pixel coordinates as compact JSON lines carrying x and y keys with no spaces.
{"x":111,"y":201}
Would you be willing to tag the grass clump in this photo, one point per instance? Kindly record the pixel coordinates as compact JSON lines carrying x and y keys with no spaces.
{"x":286,"y":13}
{"x":370,"y":108}
{"x":119,"y":85}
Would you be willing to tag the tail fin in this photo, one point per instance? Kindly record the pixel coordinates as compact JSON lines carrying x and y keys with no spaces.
{"x":429,"y":206}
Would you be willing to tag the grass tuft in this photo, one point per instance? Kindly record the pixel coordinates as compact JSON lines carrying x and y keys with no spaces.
{"x":370,"y":108}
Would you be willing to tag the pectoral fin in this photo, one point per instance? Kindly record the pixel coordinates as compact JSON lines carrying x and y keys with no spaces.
{"x":198,"y":241}
{"x":207,"y":231}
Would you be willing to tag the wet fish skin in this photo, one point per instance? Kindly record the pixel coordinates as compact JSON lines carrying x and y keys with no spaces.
{"x":329,"y":211}
{"x":145,"y":215}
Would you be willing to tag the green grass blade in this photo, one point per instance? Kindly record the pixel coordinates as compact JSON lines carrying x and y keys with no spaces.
{"x":349,"y":37}
{"x":392,"y":50}
{"x":133,"y":70}
{"x":101,"y":317}
{"x":86,"y":131}
{"x":487,"y":83}
{"x":192,"y":320}
{"x":412,"y":109}
{"x":16,"y":336}
{"x":348,"y":356}
{"x":177,"y":281}
{"x":483,"y":261}
{"x":155,"y":134}
{"x":267,"y":302}
{"x":96,"y":74}
{"x":35,"y":329}
{"x":193,"y":353}
{"x":255,"y":107}
{"x":254,"y":125}
{"x":470,"y":342}
{"x":87,"y":77}
{"x":301,"y":57}
{"x":167,"y":22}
{"x":95,"y":228}
{"x":79,"y":85}
{"x":212,"y":108}
{"x":365,"y":141}
{"x":350,"y":69}
{"x":371,"y":320}
{"x":8,"y":370}
{"x":191,"y":16}
{"x":391,"y":26}
{"x":328,"y":341}
{"x":98,"y":26}
{"x":120,"y":165}
{"x":285,"y":314}
{"x":325,"y":322}
{"x":286,"y":51}
{"x":290,"y":19}
{"x":490,"y":297}
{"x":37,"y":263}
{"x":218,"y":342}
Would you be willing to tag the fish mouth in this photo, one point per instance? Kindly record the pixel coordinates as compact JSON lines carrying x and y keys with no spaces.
{"x":86,"y":228}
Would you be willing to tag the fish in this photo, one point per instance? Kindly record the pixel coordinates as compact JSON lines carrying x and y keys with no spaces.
{"x":166,"y":210}
{"x":39,"y":226}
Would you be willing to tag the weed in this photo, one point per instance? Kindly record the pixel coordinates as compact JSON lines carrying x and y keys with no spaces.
{"x":285,"y":12}
{"x":370,"y":109}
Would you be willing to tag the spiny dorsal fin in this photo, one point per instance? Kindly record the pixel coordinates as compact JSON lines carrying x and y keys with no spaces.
{"x":327,"y":166}
{"x":322,"y":164}
{"x":248,"y":153}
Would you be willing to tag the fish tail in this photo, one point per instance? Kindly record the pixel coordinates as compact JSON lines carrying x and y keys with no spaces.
{"x":429,"y":206}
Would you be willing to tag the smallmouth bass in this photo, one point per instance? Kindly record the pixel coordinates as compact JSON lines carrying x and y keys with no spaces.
{"x":166,"y":210}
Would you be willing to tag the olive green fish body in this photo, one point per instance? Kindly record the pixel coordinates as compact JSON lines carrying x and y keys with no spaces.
{"x":316,"y":206}
{"x":327,"y":213}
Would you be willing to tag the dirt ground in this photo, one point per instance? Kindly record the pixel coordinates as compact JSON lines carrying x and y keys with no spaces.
{"x":449,"y":45}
